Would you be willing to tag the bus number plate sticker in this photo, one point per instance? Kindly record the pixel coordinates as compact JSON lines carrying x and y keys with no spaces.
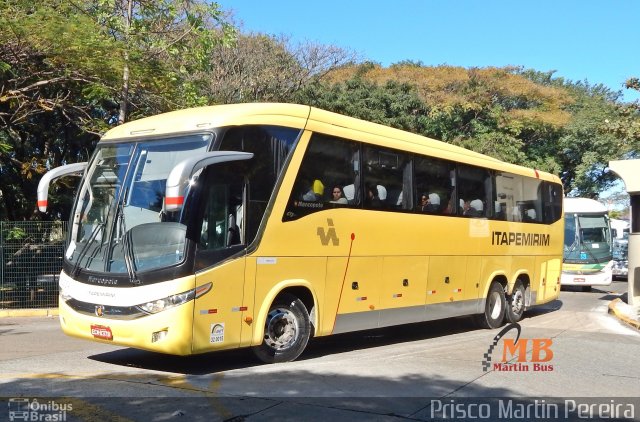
{"x":578,"y":280}
{"x":217,"y":333}
{"x":102,"y":332}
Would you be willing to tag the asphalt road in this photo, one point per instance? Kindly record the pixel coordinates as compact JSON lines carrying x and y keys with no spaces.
{"x":387,"y":374}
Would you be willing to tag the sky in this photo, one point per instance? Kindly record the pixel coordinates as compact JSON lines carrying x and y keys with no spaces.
{"x":587,"y":40}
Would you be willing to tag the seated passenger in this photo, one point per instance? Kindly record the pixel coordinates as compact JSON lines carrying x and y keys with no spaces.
{"x":434,"y":203}
{"x":429,"y":203}
{"x":337,"y":196}
{"x":372,"y":200}
{"x":474,"y":208}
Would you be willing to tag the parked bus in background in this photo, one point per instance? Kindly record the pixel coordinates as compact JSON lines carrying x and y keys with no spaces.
{"x":262,"y":225}
{"x":588,"y":246}
{"x":620,"y":234}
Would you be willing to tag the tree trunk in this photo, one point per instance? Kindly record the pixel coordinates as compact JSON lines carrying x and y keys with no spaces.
{"x":124,"y":94}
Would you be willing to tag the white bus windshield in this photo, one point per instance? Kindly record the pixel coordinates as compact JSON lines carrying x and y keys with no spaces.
{"x":587,"y":238}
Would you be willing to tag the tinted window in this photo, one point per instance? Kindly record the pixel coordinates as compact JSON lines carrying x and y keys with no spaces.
{"x":434,"y":186}
{"x":387,"y":175}
{"x":271,"y":146}
{"x":474,"y":192}
{"x":329,"y":165}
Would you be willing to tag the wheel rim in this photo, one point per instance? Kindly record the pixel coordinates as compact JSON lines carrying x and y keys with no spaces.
{"x":517,"y":302}
{"x":282,"y":329}
{"x":495,"y":305}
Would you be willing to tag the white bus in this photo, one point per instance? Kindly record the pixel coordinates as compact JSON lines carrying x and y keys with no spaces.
{"x":588,"y":251}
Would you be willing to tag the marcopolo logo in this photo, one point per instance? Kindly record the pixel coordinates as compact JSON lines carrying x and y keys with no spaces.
{"x":538,"y":360}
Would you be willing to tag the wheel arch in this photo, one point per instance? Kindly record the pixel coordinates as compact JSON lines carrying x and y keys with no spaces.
{"x":300,"y":288}
{"x":498,"y":277}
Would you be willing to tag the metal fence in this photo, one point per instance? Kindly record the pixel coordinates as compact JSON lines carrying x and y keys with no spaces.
{"x":31,"y":254}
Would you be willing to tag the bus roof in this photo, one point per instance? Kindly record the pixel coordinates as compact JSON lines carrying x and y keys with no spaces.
{"x":300,"y":116}
{"x":584,"y":206}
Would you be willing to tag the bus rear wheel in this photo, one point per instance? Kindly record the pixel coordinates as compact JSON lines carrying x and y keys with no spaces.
{"x":286,"y":331}
{"x":516,"y":303}
{"x":494,"y":307}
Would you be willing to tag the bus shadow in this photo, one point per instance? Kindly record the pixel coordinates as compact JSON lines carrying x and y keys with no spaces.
{"x":362,"y":340}
{"x":227,"y":360}
{"x":202,"y":364}
{"x":543,"y":309}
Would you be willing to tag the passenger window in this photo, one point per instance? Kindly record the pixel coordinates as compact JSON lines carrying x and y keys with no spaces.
{"x":509,"y":196}
{"x":271,"y":146}
{"x":434,"y":186}
{"x":475,"y":192}
{"x":330,"y":164}
{"x":532,"y":204}
{"x":386,"y":176}
{"x":552,"y":202}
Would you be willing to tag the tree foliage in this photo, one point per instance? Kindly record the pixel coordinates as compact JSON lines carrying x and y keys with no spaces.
{"x":69,"y":70}
{"x":265,"y":68}
{"x":518,"y":115}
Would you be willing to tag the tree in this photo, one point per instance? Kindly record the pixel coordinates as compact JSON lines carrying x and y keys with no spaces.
{"x":69,"y":70}
{"x":46,"y":119}
{"x":265,"y":68}
{"x":159,"y":44}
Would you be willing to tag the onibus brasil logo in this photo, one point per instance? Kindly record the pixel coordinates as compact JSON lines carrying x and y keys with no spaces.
{"x":538,"y":361}
{"x":24,"y":409}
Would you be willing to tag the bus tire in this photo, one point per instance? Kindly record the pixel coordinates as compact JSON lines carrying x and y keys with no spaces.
{"x":515,"y":303}
{"x":286,"y":330}
{"x":494,"y":307}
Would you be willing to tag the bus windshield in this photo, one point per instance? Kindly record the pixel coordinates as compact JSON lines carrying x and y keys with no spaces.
{"x":123,"y":189}
{"x":587,"y":238}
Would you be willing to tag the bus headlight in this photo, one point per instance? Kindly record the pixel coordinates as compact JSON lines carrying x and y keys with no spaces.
{"x":160,"y":305}
{"x":63,"y":295}
{"x":64,"y":289}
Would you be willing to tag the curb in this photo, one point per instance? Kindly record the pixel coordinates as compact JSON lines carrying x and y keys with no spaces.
{"x":10,"y":313}
{"x":622,"y":316}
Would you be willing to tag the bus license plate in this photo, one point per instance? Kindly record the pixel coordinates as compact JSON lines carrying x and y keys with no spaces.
{"x":578,"y":280}
{"x":101,"y":332}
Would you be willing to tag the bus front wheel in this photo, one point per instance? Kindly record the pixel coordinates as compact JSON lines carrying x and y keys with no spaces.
{"x":286,"y":330}
{"x":494,"y":307}
{"x":516,"y":303}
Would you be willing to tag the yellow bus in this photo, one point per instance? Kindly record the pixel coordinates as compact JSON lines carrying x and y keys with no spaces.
{"x":262,"y":225}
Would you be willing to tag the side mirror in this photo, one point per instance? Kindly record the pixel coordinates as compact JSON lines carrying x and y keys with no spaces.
{"x":182,"y":173}
{"x":76,"y":169}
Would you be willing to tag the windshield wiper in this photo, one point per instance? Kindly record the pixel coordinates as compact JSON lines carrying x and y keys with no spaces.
{"x":96,"y":230}
{"x":127,"y":248}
